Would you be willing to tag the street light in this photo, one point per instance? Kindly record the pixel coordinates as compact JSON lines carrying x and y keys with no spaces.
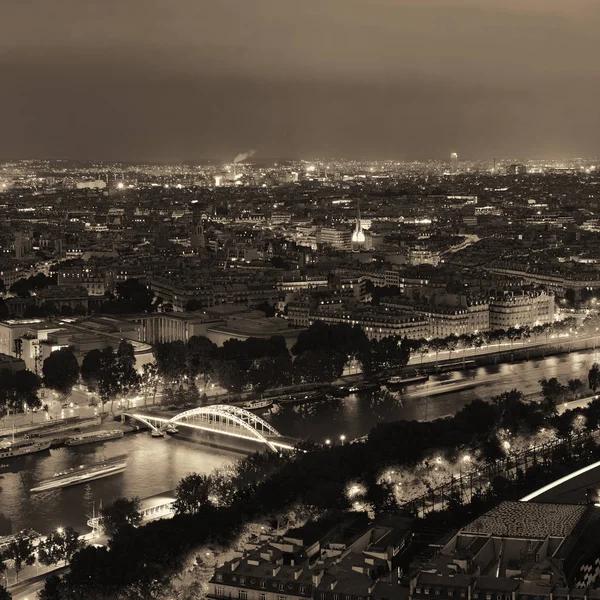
{"x":60,"y":530}
{"x":327,"y":442}
{"x":342,"y":437}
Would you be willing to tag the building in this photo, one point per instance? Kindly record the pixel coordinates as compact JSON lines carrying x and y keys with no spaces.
{"x":339,"y":238}
{"x":345,"y":559}
{"x":376,"y":322}
{"x":454,"y":163}
{"x":445,"y":321}
{"x":518,"y":550}
{"x":219,"y":324}
{"x":525,"y":309}
{"x":74,"y":297}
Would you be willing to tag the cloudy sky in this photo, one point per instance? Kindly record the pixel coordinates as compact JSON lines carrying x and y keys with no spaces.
{"x":186,"y":79}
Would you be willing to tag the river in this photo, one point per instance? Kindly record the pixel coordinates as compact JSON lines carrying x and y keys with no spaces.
{"x":156,"y":465}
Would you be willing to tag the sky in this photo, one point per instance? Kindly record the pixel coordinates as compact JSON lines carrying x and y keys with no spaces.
{"x":170,"y":80}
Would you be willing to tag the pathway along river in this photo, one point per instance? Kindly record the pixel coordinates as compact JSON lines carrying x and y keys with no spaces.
{"x":156,"y":465}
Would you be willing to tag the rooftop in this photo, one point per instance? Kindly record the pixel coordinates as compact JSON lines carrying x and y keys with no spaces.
{"x":527,"y":520}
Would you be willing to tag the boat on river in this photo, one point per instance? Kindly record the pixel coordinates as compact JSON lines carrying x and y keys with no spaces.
{"x":261,"y":404}
{"x":95,"y":436}
{"x":399,"y":382}
{"x":311,"y":396}
{"x":23,"y":447}
{"x":82,"y":474}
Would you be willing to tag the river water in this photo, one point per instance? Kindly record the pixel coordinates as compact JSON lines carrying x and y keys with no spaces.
{"x":156,"y":465}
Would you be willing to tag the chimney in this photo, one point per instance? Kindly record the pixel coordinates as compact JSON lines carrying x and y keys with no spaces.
{"x":316,"y":578}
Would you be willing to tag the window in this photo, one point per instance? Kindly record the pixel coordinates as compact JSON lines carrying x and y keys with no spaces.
{"x":262,"y":596}
{"x":263,"y":584}
{"x":282,"y":586}
{"x":302,"y":589}
{"x":336,"y":597}
{"x":242,"y":580}
{"x":219,"y":577}
{"x":242,"y":595}
{"x":281,"y":597}
{"x":219,"y":591}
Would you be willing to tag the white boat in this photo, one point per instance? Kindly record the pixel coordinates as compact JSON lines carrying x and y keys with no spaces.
{"x":22,"y":448}
{"x":95,"y":436}
{"x":157,"y":434}
{"x":399,"y":381}
{"x":171,"y":430}
{"x":261,"y":404}
{"x":82,"y":474}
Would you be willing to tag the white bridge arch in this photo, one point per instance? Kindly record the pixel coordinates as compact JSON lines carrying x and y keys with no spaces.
{"x":221,"y":418}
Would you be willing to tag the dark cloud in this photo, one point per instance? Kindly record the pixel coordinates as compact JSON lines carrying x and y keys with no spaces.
{"x":181,"y":79}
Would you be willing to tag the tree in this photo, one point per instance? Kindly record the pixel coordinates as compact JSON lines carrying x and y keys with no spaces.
{"x":576,"y":388}
{"x":50,"y":550}
{"x":61,"y":371}
{"x":21,"y":552}
{"x":229,"y":375}
{"x":128,"y":379}
{"x":72,"y":543}
{"x":594,"y":377}
{"x":5,"y":594}
{"x":317,"y":366}
{"x":267,"y":308}
{"x":132,"y":296}
{"x":51,"y":589}
{"x":192,"y":493}
{"x":108,"y":384}
{"x":149,"y":381}
{"x":390,"y":352}
{"x":19,"y":390}
{"x":171,"y":359}
{"x":553,"y":392}
{"x":27,"y":385}
{"x":200,"y":354}
{"x":59,"y":545}
{"x":91,"y":367}
{"x":122,"y":514}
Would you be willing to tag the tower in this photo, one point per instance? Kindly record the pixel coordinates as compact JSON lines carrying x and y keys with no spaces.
{"x":454,"y":163}
{"x":358,"y":236}
{"x":197,"y":234}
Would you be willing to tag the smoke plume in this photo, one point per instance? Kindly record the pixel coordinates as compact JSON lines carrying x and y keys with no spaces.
{"x":244,"y":156}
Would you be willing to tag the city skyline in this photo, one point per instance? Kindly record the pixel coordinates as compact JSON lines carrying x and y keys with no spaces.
{"x":400,"y":80}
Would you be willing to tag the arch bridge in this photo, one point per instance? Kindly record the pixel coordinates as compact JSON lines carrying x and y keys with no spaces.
{"x":221,"y":418}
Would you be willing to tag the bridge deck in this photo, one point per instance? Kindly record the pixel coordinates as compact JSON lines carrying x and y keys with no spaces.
{"x":215,"y":425}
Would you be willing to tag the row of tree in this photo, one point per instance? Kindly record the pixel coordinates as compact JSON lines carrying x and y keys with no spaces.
{"x":320,"y":355}
{"x":59,"y":546}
